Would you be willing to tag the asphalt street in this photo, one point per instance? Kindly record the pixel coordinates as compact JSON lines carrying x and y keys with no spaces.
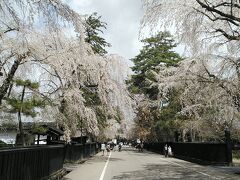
{"x":131,"y":164}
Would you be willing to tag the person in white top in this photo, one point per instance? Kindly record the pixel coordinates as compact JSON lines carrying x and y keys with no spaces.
{"x":103,"y":147}
{"x":169,"y":151}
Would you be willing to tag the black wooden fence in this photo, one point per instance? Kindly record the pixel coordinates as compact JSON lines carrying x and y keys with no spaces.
{"x":33,"y":163}
{"x":80,"y":152}
{"x":206,"y":153}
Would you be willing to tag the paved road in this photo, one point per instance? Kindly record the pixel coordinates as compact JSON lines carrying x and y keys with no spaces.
{"x":132,"y":165}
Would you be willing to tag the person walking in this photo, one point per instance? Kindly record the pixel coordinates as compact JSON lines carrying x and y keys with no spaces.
{"x":120,"y":146}
{"x":141,"y":147}
{"x":169,"y":151}
{"x":103,"y":148}
{"x":166,"y":150}
{"x":108,"y":149}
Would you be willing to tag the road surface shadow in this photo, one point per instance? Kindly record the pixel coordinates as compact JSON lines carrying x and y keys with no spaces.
{"x":230,"y":169}
{"x":115,"y":159}
{"x":168,"y":172}
{"x":145,"y":153}
{"x":100,"y":159}
{"x":134,"y":150}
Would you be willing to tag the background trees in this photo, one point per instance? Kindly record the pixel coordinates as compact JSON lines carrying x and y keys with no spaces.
{"x":157,"y":108}
{"x":208,"y":79}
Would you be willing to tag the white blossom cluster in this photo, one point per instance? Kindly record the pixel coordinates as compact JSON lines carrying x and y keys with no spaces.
{"x":208,"y":79}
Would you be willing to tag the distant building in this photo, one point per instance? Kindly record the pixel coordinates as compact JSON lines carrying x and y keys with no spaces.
{"x":9,"y":134}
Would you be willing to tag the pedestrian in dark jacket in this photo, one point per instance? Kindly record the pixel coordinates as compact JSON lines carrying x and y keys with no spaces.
{"x":166,"y":150}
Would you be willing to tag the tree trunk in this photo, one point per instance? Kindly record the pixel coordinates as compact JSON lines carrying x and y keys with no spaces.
{"x":237,"y":103}
{"x":38,"y":139}
{"x":10,"y":89}
{"x":6,"y":83}
{"x":21,"y":133}
{"x":20,"y":120}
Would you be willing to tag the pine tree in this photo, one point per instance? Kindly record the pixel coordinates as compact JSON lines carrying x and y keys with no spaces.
{"x":26,"y":107}
{"x":93,"y":27}
{"x":156,"y":50}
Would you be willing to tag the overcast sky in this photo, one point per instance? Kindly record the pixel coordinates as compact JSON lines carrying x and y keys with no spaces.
{"x":123,"y":22}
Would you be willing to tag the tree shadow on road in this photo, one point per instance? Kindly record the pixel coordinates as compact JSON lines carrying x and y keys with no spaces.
{"x":145,"y":153}
{"x":115,"y":159}
{"x":163,"y":171}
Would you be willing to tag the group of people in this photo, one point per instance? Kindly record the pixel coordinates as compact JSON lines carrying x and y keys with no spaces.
{"x":167,"y":151}
{"x":108,"y":147}
{"x":111,"y":146}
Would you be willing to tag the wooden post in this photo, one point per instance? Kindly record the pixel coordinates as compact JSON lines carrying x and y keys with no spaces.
{"x":228,"y":146}
{"x":38,"y":138}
